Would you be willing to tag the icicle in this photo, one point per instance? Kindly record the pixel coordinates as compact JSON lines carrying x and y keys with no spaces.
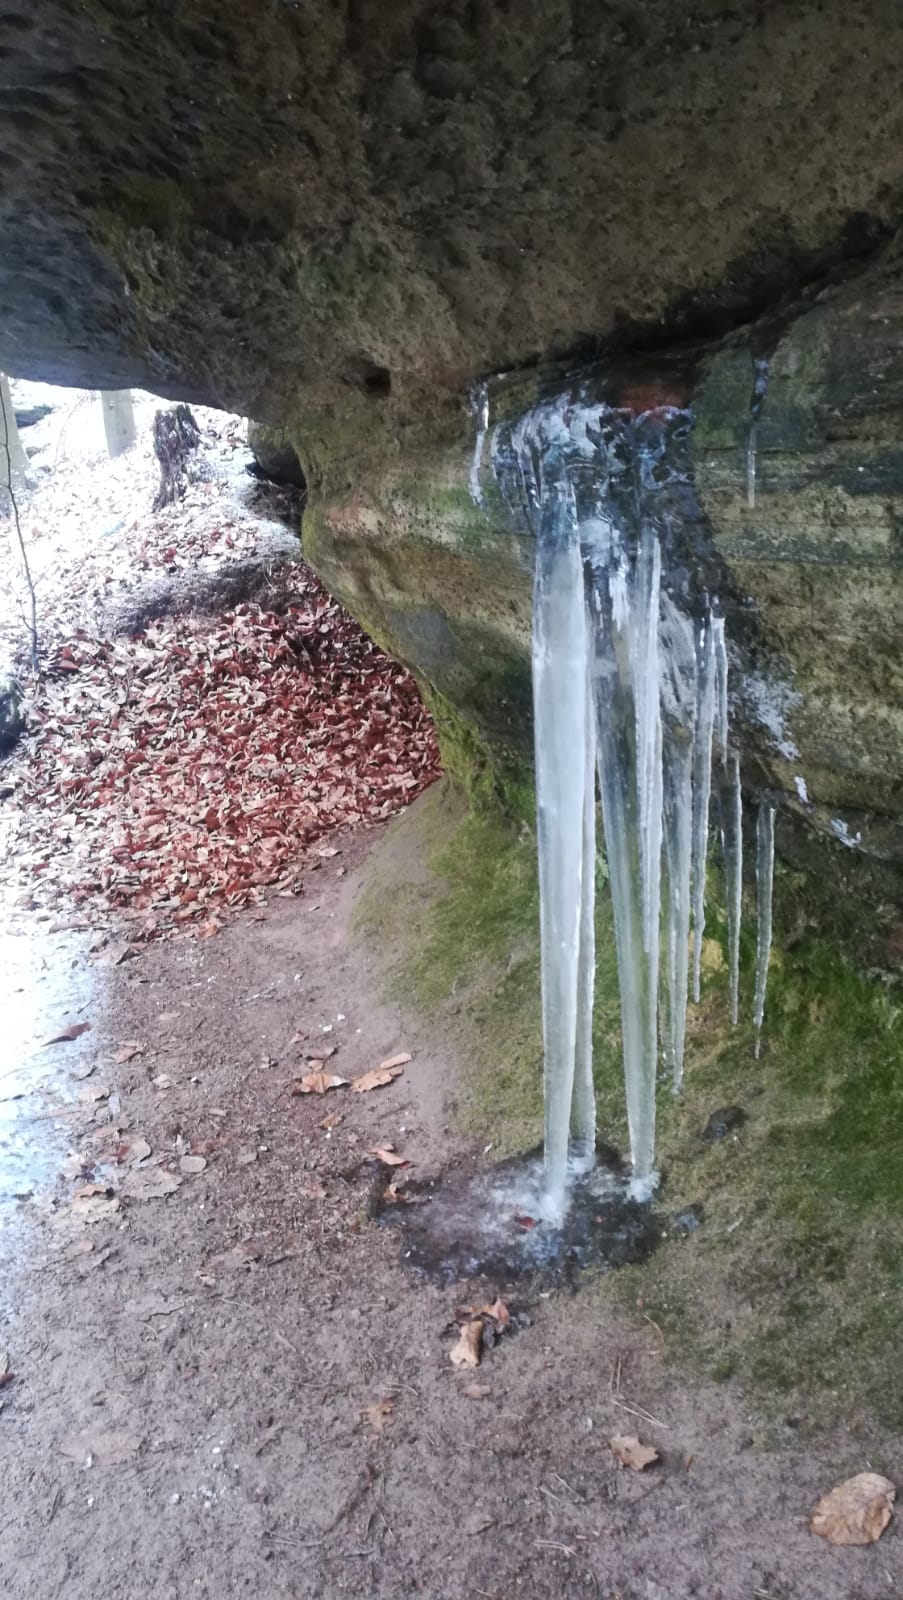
{"x":582,"y":1148}
{"x":702,"y":788}
{"x":760,"y":388}
{"x":479,"y":405}
{"x":764,"y":895}
{"x":732,"y":847}
{"x":622,"y":675}
{"x":561,"y":726}
{"x":679,"y":693}
{"x":721,"y":712}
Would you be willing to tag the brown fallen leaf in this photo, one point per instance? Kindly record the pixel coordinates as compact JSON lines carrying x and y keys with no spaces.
{"x":191,"y":1165}
{"x":333,"y":1120}
{"x":318,"y":1083}
{"x":128,"y":1051}
{"x":130,"y":1152}
{"x":469,"y":1348}
{"x":477,"y":1391}
{"x":388,"y":1155}
{"x":497,"y":1313}
{"x":149,"y":1183}
{"x":74,"y":1031}
{"x":380,"y":1414}
{"x":399,"y":1060}
{"x":104,"y":1447}
{"x":89,"y":1189}
{"x":94,"y":1207}
{"x":856,"y":1511}
{"x":375,"y":1079}
{"x":628,"y":1452}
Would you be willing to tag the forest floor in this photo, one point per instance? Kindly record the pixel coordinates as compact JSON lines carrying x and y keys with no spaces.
{"x":219,"y":1375}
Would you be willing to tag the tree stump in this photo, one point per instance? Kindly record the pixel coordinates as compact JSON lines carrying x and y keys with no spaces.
{"x":176,"y":435}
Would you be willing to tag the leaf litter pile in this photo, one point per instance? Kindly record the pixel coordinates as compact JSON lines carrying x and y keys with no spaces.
{"x":178,"y":775}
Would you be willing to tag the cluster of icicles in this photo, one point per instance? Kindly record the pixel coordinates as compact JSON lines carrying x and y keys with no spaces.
{"x":630,"y":684}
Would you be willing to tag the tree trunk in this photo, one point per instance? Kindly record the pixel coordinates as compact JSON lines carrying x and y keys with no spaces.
{"x":13,"y":460}
{"x":176,"y":435}
{"x":118,"y":420}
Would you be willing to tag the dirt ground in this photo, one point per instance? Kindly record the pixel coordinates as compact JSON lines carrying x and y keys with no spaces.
{"x":192,"y":1372}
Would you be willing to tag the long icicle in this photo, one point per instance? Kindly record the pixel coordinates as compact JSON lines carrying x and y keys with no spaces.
{"x":679,"y":695}
{"x":764,"y":898}
{"x":560,"y":714}
{"x":702,"y":787}
{"x":732,"y":844}
{"x":582,"y":1149}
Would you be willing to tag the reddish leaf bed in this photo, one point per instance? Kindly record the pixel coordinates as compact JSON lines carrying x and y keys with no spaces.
{"x":179,"y":774}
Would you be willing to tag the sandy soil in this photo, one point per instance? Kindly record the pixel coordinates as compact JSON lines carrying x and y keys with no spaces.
{"x":191,"y":1373}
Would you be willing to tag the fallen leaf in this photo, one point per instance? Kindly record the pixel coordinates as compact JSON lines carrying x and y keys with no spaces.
{"x":524,"y":1222}
{"x":477,"y":1391}
{"x":128,"y":1051}
{"x":191,"y":1165}
{"x":333,"y":1120}
{"x":104,"y":1447}
{"x":387,"y":1070}
{"x":497,"y":1313}
{"x":628,"y":1452}
{"x":477,"y":1522}
{"x":387,"y":1154}
{"x":380,"y":1414}
{"x":89,"y":1189}
{"x":856,"y":1511}
{"x":400,"y":1060}
{"x":94,"y":1207}
{"x":467,"y":1351}
{"x":149,"y":1183}
{"x":138,"y":1150}
{"x":74,"y":1031}
{"x":318,"y":1083}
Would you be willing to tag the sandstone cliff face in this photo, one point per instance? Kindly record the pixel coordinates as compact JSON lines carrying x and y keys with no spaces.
{"x":338,"y":216}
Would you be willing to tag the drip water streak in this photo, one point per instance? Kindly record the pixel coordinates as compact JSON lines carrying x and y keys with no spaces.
{"x":760,"y":389}
{"x":479,"y":405}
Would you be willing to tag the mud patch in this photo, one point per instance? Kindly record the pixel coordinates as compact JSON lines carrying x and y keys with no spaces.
{"x":490,"y":1224}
